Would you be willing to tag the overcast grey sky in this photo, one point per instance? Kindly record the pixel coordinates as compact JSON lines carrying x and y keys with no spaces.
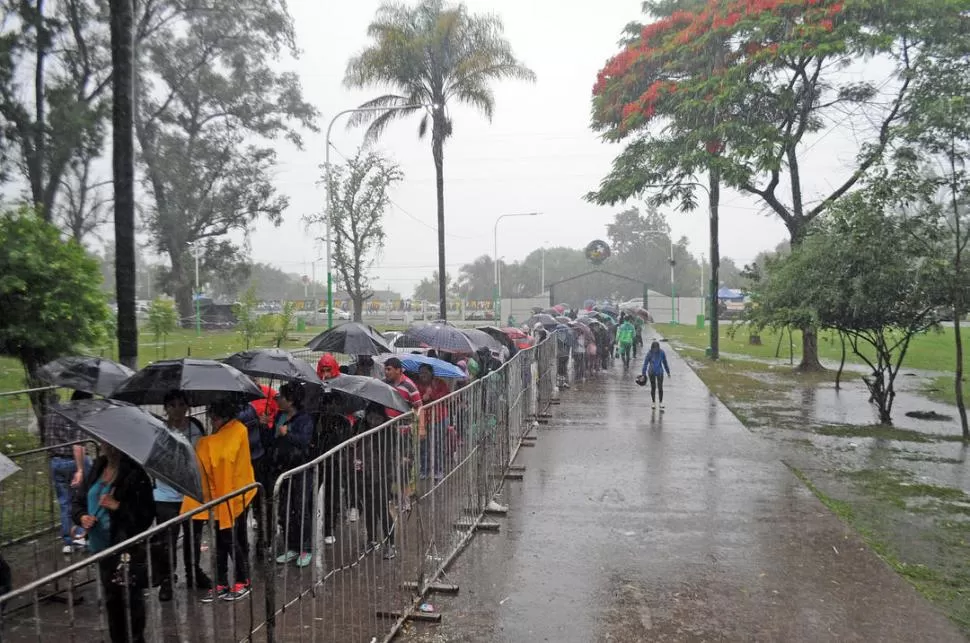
{"x":538,"y":154}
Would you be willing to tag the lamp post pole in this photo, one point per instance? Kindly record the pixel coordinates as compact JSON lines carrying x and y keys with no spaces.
{"x":196,"y":250}
{"x":327,"y":178}
{"x":714,"y":253}
{"x":497,"y":294}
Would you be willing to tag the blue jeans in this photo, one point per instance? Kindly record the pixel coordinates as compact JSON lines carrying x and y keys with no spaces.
{"x":62,"y":471}
{"x":437,"y":434}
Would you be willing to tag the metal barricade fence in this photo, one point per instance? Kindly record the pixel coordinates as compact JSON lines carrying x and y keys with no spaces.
{"x":121,"y":605}
{"x":385,"y":512}
{"x":381,"y":513}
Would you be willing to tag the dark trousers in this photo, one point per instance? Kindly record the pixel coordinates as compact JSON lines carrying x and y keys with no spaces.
{"x":163,"y":550}
{"x":264,"y":522}
{"x":331,"y":482}
{"x":375,"y":492}
{"x":296,"y":512}
{"x":233,"y":543}
{"x":123,"y":605}
{"x":656,"y":387}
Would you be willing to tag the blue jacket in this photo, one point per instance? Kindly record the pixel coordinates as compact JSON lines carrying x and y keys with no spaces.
{"x":655,"y":363}
{"x":249,"y":417}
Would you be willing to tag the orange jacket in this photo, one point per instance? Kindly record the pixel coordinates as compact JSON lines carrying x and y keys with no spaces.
{"x":225,"y":466}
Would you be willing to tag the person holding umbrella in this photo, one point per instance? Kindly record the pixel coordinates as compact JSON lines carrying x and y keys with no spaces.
{"x":226,"y":467}
{"x":115,"y":503}
{"x":168,"y":505}
{"x":290,"y":448}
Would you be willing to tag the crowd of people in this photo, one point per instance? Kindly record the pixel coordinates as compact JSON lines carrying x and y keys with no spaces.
{"x":280,"y":438}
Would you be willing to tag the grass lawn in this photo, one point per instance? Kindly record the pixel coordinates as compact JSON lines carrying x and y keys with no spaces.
{"x":932,"y":351}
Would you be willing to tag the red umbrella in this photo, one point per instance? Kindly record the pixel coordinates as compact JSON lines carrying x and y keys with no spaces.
{"x":514,"y":333}
{"x":559,"y":308}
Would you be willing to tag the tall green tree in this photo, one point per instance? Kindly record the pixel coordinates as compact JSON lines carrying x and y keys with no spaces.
{"x":429,"y":288}
{"x":937,"y":126}
{"x":55,"y":72}
{"x":430,"y":55}
{"x":51,"y":302}
{"x":359,"y":198}
{"x":861,"y":273}
{"x":210,"y":103}
{"x":744,"y":89}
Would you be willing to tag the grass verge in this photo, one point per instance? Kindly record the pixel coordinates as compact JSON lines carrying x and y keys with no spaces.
{"x":944,"y":578}
{"x":931,"y":351}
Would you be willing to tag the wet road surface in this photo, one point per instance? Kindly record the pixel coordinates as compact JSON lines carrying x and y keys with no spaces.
{"x":641,"y":525}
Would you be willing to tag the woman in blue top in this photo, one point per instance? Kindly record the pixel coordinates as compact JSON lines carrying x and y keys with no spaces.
{"x":168,"y":505}
{"x":114,"y":503}
{"x":654,"y":365}
{"x":291,"y":448}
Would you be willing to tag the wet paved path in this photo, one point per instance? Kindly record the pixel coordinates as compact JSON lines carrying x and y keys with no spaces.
{"x":633,"y":525}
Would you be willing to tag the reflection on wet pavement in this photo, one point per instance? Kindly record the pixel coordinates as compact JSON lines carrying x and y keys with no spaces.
{"x":637,"y":525}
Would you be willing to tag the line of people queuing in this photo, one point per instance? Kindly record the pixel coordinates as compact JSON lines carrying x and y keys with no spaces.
{"x":111,"y":499}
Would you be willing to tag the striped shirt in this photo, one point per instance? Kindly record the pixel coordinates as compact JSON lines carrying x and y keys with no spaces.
{"x":407,"y":390}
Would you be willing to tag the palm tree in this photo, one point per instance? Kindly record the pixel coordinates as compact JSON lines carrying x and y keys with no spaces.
{"x":429,"y":55}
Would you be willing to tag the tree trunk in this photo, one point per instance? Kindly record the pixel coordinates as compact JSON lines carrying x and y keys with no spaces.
{"x":713,"y":204}
{"x":438,"y":150}
{"x":810,"y":362}
{"x":123,"y":165}
{"x":358,"y":309}
{"x":958,"y":373}
{"x":838,"y":375}
{"x":36,"y":159}
{"x":958,"y":306}
{"x":181,"y":290}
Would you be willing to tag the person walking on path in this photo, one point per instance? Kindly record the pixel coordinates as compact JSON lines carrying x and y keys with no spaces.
{"x":654,"y":365}
{"x":226,"y":467}
{"x":625,"y":334}
{"x":168,"y":505}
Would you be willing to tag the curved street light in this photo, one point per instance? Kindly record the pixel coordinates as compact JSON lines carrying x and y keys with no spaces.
{"x":327,"y":217}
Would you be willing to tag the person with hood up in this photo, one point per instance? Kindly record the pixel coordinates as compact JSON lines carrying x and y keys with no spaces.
{"x":327,"y":367}
{"x":654,"y":365}
{"x":226,"y":467}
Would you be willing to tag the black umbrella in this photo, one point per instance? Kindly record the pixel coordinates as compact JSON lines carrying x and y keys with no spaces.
{"x":203,"y":381}
{"x":482,"y":339}
{"x":7,"y":467}
{"x":274,"y":363}
{"x":501,"y":336}
{"x":352,"y":338}
{"x":545,"y":320}
{"x":443,"y":337}
{"x":367,"y":388}
{"x":142,"y":437}
{"x":94,"y":375}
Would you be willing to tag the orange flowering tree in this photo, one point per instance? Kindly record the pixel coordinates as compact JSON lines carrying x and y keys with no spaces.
{"x":736,"y":89}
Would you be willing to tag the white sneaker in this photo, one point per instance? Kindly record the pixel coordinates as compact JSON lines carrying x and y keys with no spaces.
{"x":653,"y":405}
{"x":329,"y":540}
{"x":67,"y":550}
{"x":353,"y":515}
{"x":661,"y":406}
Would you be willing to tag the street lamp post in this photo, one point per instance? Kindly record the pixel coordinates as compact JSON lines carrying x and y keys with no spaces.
{"x":713,"y":243}
{"x":329,"y":196}
{"x":497,"y":295}
{"x":196,"y":250}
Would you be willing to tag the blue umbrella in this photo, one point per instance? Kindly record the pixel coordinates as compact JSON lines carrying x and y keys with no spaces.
{"x":440,"y":367}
